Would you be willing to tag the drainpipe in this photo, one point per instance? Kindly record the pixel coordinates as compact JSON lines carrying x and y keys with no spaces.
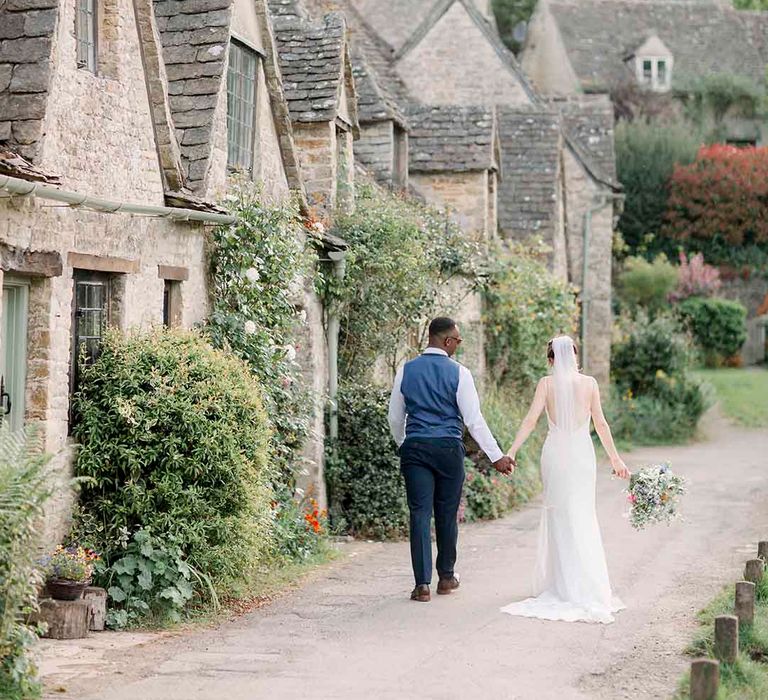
{"x":339,"y":261}
{"x":600,"y":202}
{"x":24,"y":188}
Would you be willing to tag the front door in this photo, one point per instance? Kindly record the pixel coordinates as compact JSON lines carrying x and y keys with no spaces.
{"x":13,"y":352}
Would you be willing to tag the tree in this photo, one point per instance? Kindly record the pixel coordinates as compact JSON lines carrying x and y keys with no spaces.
{"x":509,"y":13}
{"x":720,"y":200}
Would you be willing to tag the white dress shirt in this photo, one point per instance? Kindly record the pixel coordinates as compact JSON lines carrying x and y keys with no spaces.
{"x":469,"y":407}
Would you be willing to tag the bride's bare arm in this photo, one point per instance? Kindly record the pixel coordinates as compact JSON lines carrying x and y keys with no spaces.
{"x":604,"y":432}
{"x":532,"y":417}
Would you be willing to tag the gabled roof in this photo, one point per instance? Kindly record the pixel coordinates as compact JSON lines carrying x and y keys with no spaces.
{"x":588,"y":122}
{"x":394,"y":20}
{"x":373,"y":102}
{"x":315,"y":63}
{"x":26,"y":47}
{"x":453,"y":139}
{"x":195,"y":43}
{"x":530,"y":149}
{"x":704,"y":37}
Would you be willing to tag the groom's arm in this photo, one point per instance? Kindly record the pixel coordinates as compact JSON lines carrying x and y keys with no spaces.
{"x":469,"y":405}
{"x":397,"y":410}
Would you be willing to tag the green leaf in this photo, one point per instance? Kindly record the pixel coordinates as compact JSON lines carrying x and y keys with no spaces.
{"x":117,"y":594}
{"x":145,"y":580}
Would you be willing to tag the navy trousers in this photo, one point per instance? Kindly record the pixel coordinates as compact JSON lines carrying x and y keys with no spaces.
{"x":434,"y":475}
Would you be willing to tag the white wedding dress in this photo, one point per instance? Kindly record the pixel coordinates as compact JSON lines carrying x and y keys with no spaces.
{"x":571,"y":577}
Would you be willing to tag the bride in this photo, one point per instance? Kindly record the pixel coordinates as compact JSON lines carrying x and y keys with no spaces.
{"x":571,"y":575}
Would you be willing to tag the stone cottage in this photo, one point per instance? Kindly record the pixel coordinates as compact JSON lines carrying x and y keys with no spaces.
{"x":120,"y":123}
{"x":657,"y":47}
{"x":557,"y":157}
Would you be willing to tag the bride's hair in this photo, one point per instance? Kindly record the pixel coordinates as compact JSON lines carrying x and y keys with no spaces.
{"x":551,"y":351}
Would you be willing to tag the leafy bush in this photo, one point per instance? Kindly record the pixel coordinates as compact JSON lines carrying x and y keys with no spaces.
{"x":151,"y":580}
{"x":485,"y":495}
{"x":406,"y":263}
{"x":720,"y":201}
{"x":695,"y":278}
{"x":258,"y":267}
{"x":655,"y":400}
{"x":719,"y":326}
{"x":174,"y":437}
{"x":525,"y":306}
{"x":24,"y":489}
{"x":646,"y":155}
{"x":365,"y":486}
{"x":300,"y":528}
{"x":669,"y":414}
{"x":647,"y":284}
{"x":646,"y":349}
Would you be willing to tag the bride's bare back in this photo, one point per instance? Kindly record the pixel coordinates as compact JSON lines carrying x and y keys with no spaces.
{"x":587,"y":404}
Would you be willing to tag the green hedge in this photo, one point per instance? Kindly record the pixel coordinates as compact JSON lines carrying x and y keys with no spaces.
{"x":654,"y":400}
{"x":173,"y":437}
{"x":365,"y":486}
{"x":719,"y":326}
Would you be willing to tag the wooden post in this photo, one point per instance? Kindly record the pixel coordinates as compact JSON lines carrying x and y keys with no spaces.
{"x":754,"y":570}
{"x":744,"y":604}
{"x":66,"y":619}
{"x":726,"y":638}
{"x":762,"y":550}
{"x":705,"y":679}
{"x":97,"y":600}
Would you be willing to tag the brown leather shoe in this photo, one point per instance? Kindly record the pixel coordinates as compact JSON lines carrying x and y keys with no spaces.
{"x":421,"y":594}
{"x":447,"y":585}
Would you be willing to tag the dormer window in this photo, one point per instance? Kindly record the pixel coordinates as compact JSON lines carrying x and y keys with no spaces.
{"x":653,"y":65}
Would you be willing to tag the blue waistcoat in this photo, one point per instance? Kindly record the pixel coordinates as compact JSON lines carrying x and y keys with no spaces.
{"x":429,"y":387}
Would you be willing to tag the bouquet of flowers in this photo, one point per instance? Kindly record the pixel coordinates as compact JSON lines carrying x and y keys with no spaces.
{"x":654,"y":492}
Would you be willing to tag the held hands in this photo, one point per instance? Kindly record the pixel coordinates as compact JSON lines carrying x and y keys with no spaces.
{"x":618,"y":468}
{"x":505,"y":465}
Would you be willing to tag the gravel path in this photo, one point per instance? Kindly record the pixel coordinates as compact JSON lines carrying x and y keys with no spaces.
{"x":350,"y":631}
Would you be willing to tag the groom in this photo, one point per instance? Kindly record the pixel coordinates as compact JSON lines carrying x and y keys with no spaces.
{"x":433,"y":398}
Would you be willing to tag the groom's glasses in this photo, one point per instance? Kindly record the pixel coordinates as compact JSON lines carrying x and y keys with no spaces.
{"x":458,"y":340}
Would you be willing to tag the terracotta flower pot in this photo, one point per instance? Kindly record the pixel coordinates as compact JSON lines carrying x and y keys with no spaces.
{"x":63,"y":589}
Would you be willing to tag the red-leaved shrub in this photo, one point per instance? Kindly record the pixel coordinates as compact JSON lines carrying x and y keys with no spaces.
{"x":722,"y":195}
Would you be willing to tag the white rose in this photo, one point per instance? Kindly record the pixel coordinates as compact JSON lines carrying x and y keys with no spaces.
{"x":252,"y":274}
{"x":249,"y":327}
{"x":302,"y":316}
{"x":319,"y":226}
{"x":290,"y":353}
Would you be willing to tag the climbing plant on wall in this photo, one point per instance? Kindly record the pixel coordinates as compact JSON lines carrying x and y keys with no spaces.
{"x":258,"y":268}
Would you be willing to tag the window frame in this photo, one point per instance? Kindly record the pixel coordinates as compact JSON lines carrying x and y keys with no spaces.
{"x":249,"y":51}
{"x":91,"y":61}
{"x":88,"y":277}
{"x":652,"y":79}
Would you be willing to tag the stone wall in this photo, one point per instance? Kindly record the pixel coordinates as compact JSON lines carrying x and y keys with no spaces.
{"x":375,"y":149}
{"x":582,"y":194}
{"x":445,"y":70}
{"x":465,"y":195}
{"x":133,"y":247}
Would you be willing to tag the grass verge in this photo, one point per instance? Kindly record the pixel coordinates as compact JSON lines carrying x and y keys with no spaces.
{"x":747,"y":679}
{"x":743,"y":394}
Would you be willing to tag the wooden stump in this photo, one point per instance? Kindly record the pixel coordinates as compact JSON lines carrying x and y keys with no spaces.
{"x":744,"y":606}
{"x":762,"y":550}
{"x":66,"y":619}
{"x":754,"y":570}
{"x":705,"y":679}
{"x":727,"y":638}
{"x":97,"y":600}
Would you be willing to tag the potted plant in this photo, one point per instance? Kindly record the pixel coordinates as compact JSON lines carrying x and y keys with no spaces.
{"x":68,"y":571}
